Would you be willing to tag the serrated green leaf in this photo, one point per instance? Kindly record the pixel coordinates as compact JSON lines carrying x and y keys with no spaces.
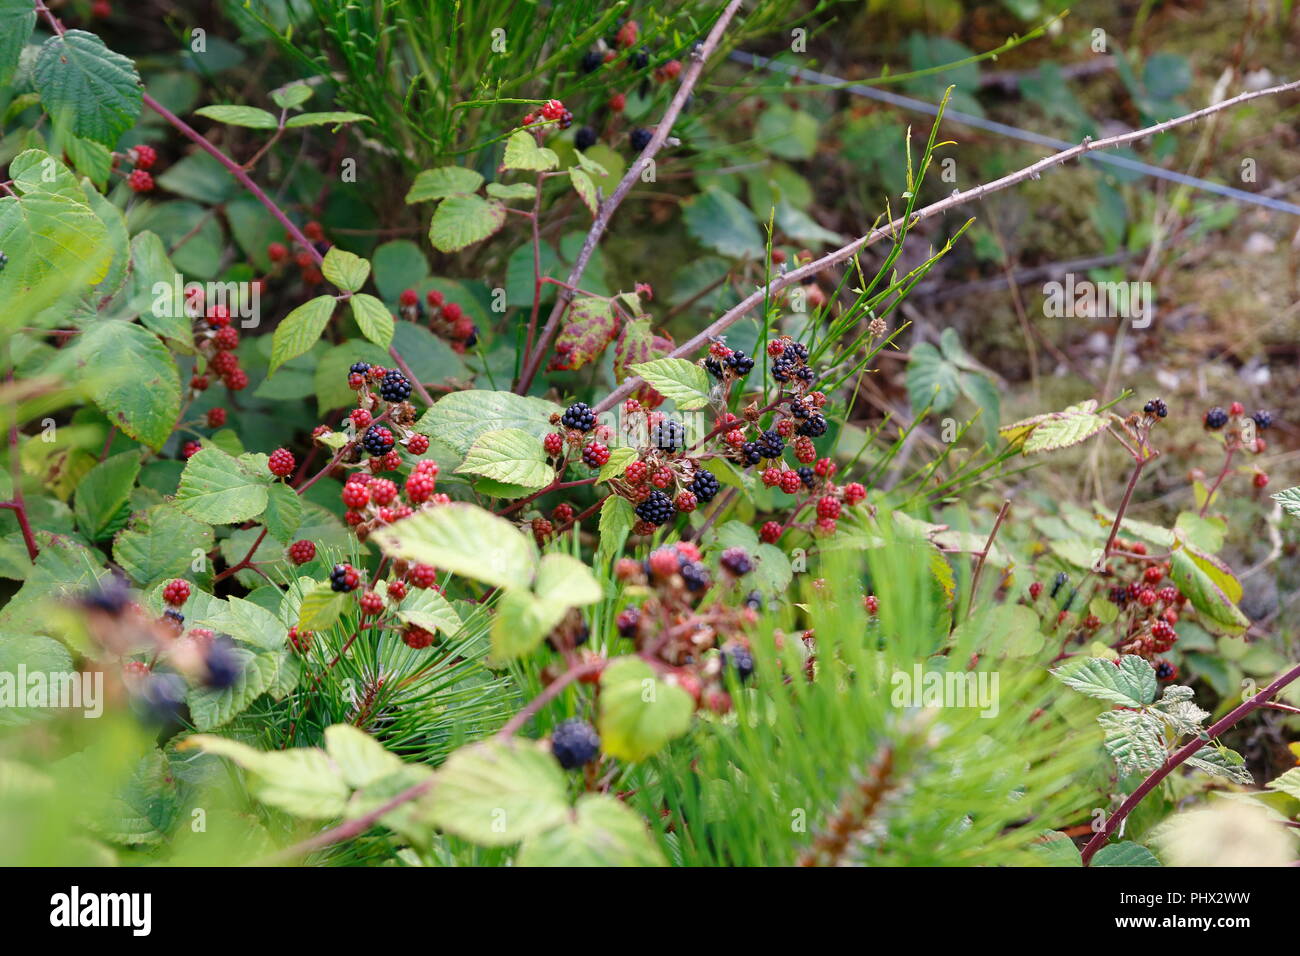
{"x":1205,"y":595}
{"x":161,"y":543}
{"x":103,"y":493}
{"x":320,"y":608}
{"x":373,"y":318}
{"x":1127,"y":853}
{"x":329,"y":118}
{"x":1133,"y":738}
{"x":1130,"y":684}
{"x":466,"y":540}
{"x":585,"y":189}
{"x":684,"y":382}
{"x":461,"y":221}
{"x":721,"y":222}
{"x":522,"y":152}
{"x":511,"y":191}
{"x":87,"y":87}
{"x":248,"y":116}
{"x":638,"y":712}
{"x":458,"y":418}
{"x":346,"y":270}
{"x":303,"y":781}
{"x":283,"y":512}
{"x":443,"y":182}
{"x":300,"y":329}
{"x":1288,"y":783}
{"x":211,"y":708}
{"x":1222,"y":762}
{"x":497,"y":793}
{"x":616,"y":520}
{"x":217,"y":489}
{"x":132,"y":377}
{"x":619,"y":459}
{"x":600,"y":832}
{"x":510,"y":455}
{"x":17,"y":19}
{"x":291,"y":95}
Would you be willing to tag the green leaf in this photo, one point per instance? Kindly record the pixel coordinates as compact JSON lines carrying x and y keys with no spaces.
{"x":522,"y":620}
{"x":1205,"y":595}
{"x":522,"y":152}
{"x":430,"y":610}
{"x":1130,"y":684}
{"x":1055,"y":430}
{"x":461,"y":221}
{"x":249,"y":116}
{"x":17,"y":20}
{"x":1288,"y":783}
{"x":932,"y":381}
{"x":330,"y":118}
{"x":345,"y":269}
{"x":283,"y":512}
{"x":619,"y":459}
{"x":320,"y":608}
{"x":638,"y":712}
{"x":211,"y":708}
{"x":160,"y":544}
{"x":511,"y":455}
{"x":361,"y":760}
{"x":87,"y":86}
{"x":721,"y":222}
{"x":511,"y":191}
{"x":300,"y":329}
{"x":602,"y":831}
{"x":292,"y":95}
{"x":498,"y":792}
{"x":616,"y":520}
{"x":443,"y":182}
{"x":102,"y":495}
{"x":1289,"y":500}
{"x":1127,"y":853}
{"x":585,"y":189}
{"x":152,"y":269}
{"x":1220,"y":761}
{"x":304,"y":781}
{"x":132,"y":377}
{"x":563,"y":579}
{"x":684,"y":382}
{"x":458,"y":418}
{"x":464,"y":539}
{"x":786,"y":132}
{"x":373,"y":318}
{"x":1134,"y":739}
{"x":218,"y":489}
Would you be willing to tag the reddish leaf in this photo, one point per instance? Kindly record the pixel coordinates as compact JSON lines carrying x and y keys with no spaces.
{"x":589,"y":327}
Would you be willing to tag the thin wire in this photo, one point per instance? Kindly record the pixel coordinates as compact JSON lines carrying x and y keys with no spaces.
{"x":1013,"y":132}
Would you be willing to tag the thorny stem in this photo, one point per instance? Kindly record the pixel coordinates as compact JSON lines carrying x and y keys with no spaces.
{"x":549,"y":693}
{"x":1180,"y":756}
{"x":959,"y":198}
{"x":1223,"y":473}
{"x":245,"y":562}
{"x":556,"y":485}
{"x":606,"y":209}
{"x":988,"y":546}
{"x":1139,"y":464}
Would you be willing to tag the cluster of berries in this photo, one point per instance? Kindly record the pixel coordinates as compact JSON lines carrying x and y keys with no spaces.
{"x":726,"y":363}
{"x":552,"y":112}
{"x":447,"y":320}
{"x":279,"y":255}
{"x":709,"y":643}
{"x":1241,"y":432}
{"x":382,"y":421}
{"x":142,"y":158}
{"x":216,"y":341}
{"x":373,"y":501}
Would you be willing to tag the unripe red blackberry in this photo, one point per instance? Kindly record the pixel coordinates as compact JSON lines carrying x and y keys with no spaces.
{"x":216,"y":417}
{"x":417,"y":444}
{"x":636,"y":473}
{"x":1168,"y":594}
{"x":218,"y":317}
{"x":1035,"y":589}
{"x":226,"y":339}
{"x":361,"y":418}
{"x":300,"y":552}
{"x":1153,"y":574}
{"x":423,"y":576}
{"x":416,"y":638}
{"x":770,"y":532}
{"x":1236,"y":409}
{"x":371,"y":603}
{"x":824,"y":467}
{"x":1260,"y":480}
{"x":854,"y":492}
{"x":355,"y":495}
{"x":143,"y":156}
{"x":300,"y":640}
{"x":419,"y":487}
{"x":595,"y":455}
{"x":140,"y":181}
{"x":176,"y":592}
{"x":686,"y":502}
{"x":383,"y":491}
{"x":826,"y":526}
{"x":236,"y":379}
{"x":281,"y":463}
{"x":790,"y":482}
{"x":828,"y":507}
{"x":1146,"y":597}
{"x":277,"y":252}
{"x":190,"y":449}
{"x":553,"y":444}
{"x":542,"y":529}
{"x":563,"y":512}
{"x":804,"y":450}
{"x":871,"y":603}
{"x":735,"y":437}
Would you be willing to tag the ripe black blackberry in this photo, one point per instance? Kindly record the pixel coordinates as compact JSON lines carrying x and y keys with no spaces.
{"x":585,"y":138}
{"x":640,"y":59}
{"x":783,"y":369}
{"x":657,"y":509}
{"x":696,"y":576}
{"x":591,"y":61}
{"x":1216,"y":418}
{"x":1165,"y":670}
{"x":639,"y":138}
{"x":806,"y":475}
{"x":223,"y":667}
{"x":668,"y":435}
{"x":771,"y":444}
{"x":751,"y":453}
{"x":574,"y":742}
{"x":800,"y":409}
{"x":580,"y":416}
{"x":740,"y":363}
{"x":359,"y":368}
{"x":704,"y":485}
{"x":737,"y":561}
{"x":813,"y":427}
{"x":1262,"y":419}
{"x":713,"y":367}
{"x":805,"y":374}
{"x":739,"y":658}
{"x":796,"y":351}
{"x":395,"y":387}
{"x":344,"y":577}
{"x":1156,"y":407}
{"x":377,"y":440}
{"x":754,"y":600}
